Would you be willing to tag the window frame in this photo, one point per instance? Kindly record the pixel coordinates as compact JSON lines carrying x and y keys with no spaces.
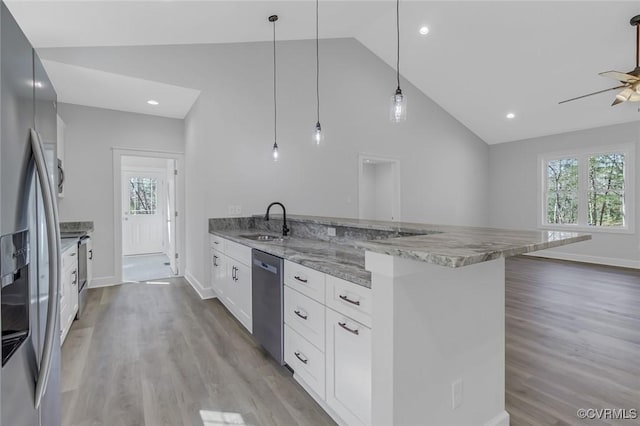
{"x":582,"y":155}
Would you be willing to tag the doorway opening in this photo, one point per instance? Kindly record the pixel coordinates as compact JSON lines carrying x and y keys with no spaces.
{"x":148,"y":217}
{"x":378,"y":188}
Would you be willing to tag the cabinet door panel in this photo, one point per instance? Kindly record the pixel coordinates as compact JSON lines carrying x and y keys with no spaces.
{"x":218,"y":263}
{"x":89,"y":262}
{"x":348,"y":355}
{"x":243,"y":295}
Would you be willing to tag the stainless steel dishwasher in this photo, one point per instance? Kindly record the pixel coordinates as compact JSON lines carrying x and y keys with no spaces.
{"x":268,"y":303}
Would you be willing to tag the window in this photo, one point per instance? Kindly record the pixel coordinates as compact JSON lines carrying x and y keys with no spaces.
{"x":143,"y":195}
{"x":588,"y":189}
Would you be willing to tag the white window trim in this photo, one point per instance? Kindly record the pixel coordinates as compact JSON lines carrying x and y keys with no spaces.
{"x":582,"y":155}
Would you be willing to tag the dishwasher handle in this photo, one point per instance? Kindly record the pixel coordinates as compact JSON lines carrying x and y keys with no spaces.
{"x":269,"y":268}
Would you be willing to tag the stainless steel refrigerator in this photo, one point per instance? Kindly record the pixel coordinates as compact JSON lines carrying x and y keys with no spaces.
{"x":29,"y":237}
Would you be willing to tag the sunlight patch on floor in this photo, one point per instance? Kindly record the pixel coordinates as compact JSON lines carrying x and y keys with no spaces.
{"x":222,"y":418}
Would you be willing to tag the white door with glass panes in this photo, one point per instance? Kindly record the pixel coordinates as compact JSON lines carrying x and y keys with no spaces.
{"x":142,"y":217}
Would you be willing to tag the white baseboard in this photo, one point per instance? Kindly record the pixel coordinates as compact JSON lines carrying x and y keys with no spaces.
{"x":204,"y":293}
{"x":103,"y":282}
{"x":502,"y":419}
{"x":584,"y":258}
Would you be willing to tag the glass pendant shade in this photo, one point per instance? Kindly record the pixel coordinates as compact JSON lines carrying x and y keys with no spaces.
{"x":318,"y":135}
{"x":275,"y":152}
{"x":398,"y":110}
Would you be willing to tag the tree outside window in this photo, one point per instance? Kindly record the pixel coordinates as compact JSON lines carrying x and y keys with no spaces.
{"x":562,"y":191}
{"x":143,"y":195}
{"x":589,"y":190}
{"x":606,"y":190}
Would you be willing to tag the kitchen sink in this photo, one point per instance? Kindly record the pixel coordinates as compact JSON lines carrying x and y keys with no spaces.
{"x":263,"y":237}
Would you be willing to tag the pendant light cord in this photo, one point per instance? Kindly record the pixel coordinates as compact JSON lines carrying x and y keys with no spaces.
{"x":317,"y":64}
{"x":398,"y":40}
{"x":275,"y":103}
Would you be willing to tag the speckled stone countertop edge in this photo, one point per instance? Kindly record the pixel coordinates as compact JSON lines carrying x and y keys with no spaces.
{"x":443,"y":245}
{"x":458,"y":261}
{"x":331,"y":266}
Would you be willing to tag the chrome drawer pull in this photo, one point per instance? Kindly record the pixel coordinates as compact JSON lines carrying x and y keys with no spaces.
{"x":304,"y":360}
{"x":346,"y":299}
{"x":350,"y":330}
{"x":302,"y":280}
{"x":216,"y":242}
{"x":304,"y":317}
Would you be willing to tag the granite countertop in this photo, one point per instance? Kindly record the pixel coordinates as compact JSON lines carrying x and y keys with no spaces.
{"x":338,"y":259}
{"x":67,"y":243}
{"x":456,"y":247}
{"x":444,"y":245}
{"x":451,"y":246}
{"x":76,"y":228}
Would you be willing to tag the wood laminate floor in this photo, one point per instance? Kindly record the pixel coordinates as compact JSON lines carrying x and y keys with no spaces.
{"x":155,"y":354}
{"x":572,"y":341}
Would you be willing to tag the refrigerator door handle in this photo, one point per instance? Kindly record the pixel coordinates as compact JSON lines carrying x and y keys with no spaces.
{"x":53,"y":241}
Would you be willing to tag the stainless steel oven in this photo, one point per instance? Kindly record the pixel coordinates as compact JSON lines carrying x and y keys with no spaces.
{"x":84,"y":255}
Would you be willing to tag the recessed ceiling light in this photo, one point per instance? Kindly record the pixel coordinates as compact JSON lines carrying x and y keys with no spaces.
{"x":424,"y":30}
{"x":152,"y":102}
{"x":511,"y":115}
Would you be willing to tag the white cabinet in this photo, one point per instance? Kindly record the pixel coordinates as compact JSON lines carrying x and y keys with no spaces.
{"x":304,"y":315}
{"x":230,"y":273}
{"x":348,"y":356}
{"x":239,"y":292}
{"x":218,"y":263}
{"x":60,"y":156}
{"x":328,"y":341}
{"x":68,"y":290}
{"x":89,"y":261}
{"x":305,"y":359}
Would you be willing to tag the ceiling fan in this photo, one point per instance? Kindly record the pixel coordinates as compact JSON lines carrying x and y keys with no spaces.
{"x":630,"y":87}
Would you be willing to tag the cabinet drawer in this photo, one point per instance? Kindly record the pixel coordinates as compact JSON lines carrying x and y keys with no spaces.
{"x":305,"y":359}
{"x":349,"y":299}
{"x":238,"y":252}
{"x":304,"y":315}
{"x":216,"y":242}
{"x":307,"y":281}
{"x":70,"y":258}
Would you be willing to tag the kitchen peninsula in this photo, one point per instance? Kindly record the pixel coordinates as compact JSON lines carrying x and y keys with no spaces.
{"x":434,"y":299}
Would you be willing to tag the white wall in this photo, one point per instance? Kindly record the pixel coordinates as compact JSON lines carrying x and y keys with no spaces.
{"x":89,"y":136}
{"x":368,"y":188}
{"x":514,"y":194}
{"x":384,"y":190}
{"x":229,"y":133}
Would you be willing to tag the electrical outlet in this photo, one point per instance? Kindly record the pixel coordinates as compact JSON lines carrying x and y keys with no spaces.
{"x":331,"y":232}
{"x":230,"y":210}
{"x":456,"y":394}
{"x":238,"y":210}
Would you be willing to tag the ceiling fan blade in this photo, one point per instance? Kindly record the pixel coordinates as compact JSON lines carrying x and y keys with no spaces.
{"x":591,"y":94}
{"x":623,"y":96}
{"x":620,"y":76}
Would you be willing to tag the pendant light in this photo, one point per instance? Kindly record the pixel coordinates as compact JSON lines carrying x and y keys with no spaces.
{"x":274,"y":152}
{"x":318,"y":136}
{"x":398,"y":100}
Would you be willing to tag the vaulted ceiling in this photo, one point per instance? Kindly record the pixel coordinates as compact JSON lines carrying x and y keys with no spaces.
{"x":480,"y":60}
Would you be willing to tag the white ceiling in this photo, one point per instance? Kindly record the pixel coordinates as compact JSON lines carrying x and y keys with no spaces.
{"x":480,"y":60}
{"x":86,"y":86}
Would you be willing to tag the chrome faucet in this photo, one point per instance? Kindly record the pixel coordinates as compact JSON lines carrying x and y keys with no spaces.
{"x":285,"y":228}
